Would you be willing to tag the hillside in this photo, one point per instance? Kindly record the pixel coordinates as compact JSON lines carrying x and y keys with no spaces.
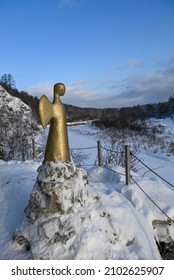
{"x":17,"y":127}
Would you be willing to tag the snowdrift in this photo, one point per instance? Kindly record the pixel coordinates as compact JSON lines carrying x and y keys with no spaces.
{"x":104,"y":226}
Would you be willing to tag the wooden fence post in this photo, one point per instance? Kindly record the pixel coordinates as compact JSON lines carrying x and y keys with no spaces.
{"x":99,"y":153}
{"x":127,"y":164}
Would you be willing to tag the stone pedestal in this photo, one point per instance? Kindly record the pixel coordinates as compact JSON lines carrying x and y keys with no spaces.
{"x":49,"y":215}
{"x":58,"y":187}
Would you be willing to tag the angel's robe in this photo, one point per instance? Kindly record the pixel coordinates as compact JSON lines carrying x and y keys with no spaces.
{"x":57,"y":148}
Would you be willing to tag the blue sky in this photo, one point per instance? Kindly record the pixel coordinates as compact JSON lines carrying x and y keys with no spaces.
{"x":108,"y":53}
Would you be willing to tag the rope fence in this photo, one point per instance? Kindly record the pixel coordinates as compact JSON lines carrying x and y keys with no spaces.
{"x":152,"y":200}
{"x":150,"y":169}
{"x":127,"y":154}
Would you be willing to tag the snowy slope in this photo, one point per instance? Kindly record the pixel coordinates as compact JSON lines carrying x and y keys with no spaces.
{"x":110,"y":216}
{"x":12,"y":103}
{"x":17,"y":127}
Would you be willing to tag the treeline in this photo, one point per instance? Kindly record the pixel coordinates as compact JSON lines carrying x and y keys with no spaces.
{"x":75,"y":113}
{"x":129,"y":117}
{"x":122,"y":117}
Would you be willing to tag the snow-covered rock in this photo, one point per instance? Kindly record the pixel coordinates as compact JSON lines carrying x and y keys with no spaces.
{"x":17,"y":127}
{"x":58,"y":188}
{"x":13,"y":103}
{"x":67,"y":218}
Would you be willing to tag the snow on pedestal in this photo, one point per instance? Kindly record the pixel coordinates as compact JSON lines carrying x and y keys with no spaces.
{"x":67,"y":218}
{"x":59,"y":186}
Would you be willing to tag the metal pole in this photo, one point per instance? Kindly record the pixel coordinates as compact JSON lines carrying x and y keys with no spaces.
{"x":127,"y":165}
{"x":99,"y":153}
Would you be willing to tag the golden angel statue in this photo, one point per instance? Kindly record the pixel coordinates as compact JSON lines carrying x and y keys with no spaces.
{"x":57,"y":148}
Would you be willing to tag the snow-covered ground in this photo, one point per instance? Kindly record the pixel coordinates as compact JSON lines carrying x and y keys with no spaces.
{"x":123,"y":215}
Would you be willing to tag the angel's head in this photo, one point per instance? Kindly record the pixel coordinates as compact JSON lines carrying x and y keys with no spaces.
{"x":59,"y":89}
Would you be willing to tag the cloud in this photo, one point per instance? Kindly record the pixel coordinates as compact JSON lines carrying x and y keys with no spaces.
{"x":146,"y":88}
{"x":169,"y":67}
{"x":124,"y":91}
{"x":132,"y":63}
{"x":41,"y":89}
{"x":76,"y":94}
{"x":85,"y":96}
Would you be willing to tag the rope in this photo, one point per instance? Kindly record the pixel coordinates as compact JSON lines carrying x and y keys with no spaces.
{"x":152,"y":170}
{"x":113,"y":170}
{"x":112,"y":151}
{"x":87,"y":148}
{"x":83,"y":165}
{"x":152,"y":200}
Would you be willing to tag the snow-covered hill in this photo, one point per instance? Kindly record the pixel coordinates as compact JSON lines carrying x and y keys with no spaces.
{"x":13,"y":104}
{"x":17,"y":127}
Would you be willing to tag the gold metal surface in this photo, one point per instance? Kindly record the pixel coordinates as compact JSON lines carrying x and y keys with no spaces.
{"x":57,"y":148}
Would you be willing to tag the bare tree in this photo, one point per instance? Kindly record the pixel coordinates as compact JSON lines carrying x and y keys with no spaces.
{"x":8,"y":80}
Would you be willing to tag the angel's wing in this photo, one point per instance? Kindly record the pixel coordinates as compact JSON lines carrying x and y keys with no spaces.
{"x":45,"y":110}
